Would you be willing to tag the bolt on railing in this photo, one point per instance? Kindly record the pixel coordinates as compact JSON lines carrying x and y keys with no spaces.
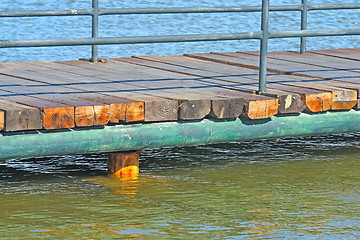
{"x":263,"y":35}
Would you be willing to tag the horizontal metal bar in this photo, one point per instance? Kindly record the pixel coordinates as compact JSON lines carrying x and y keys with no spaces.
{"x":225,"y":9}
{"x":155,"y":135}
{"x":47,"y":13}
{"x":333,"y":6}
{"x":196,"y":10}
{"x":314,"y":33}
{"x":127,"y":40}
{"x":111,"y":11}
{"x":173,"y":38}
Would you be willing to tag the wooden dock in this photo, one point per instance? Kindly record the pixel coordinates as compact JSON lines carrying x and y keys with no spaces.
{"x":75,"y":94}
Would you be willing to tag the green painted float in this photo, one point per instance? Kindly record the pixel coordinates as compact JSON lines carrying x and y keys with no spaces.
{"x":168,"y":134}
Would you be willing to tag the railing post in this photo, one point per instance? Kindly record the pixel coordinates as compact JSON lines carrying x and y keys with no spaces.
{"x":95,"y":30}
{"x":264,"y":45}
{"x":304,"y":16}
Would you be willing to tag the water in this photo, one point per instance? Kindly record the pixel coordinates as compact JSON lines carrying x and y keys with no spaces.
{"x":169,"y":24}
{"x":305,"y":188}
{"x":293,"y":188}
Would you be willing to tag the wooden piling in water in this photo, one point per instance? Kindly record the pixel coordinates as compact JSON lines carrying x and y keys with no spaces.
{"x":123,"y":164}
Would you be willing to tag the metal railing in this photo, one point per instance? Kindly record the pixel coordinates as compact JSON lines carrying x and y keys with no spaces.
{"x":263,"y":35}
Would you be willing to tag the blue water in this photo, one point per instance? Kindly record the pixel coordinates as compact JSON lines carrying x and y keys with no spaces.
{"x":293,"y":188}
{"x":169,"y":24}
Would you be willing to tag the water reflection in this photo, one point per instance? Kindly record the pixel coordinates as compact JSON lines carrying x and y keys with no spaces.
{"x":289,"y":188}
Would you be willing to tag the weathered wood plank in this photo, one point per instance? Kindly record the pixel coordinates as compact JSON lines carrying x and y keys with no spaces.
{"x":261,"y":109}
{"x":2,"y":120}
{"x":152,"y":88}
{"x":329,"y":63}
{"x":315,"y":101}
{"x":298,"y":68}
{"x":344,"y":97}
{"x":242,"y":59}
{"x":252,"y":102}
{"x":87,"y":113}
{"x":108,"y":84}
{"x":221,"y":105}
{"x":17,"y":117}
{"x":251,"y":60}
{"x":227,"y":75}
{"x":53,"y":115}
{"x":58,"y":118}
{"x":135,"y":109}
{"x":44,"y":74}
{"x":193,"y":104}
{"x":346,"y":53}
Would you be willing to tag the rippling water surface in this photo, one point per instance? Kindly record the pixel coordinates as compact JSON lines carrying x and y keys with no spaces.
{"x":306,"y":188}
{"x":296,"y":188}
{"x":166,"y":24}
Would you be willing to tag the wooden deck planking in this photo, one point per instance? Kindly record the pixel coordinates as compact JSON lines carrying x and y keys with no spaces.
{"x":186,"y":89}
{"x":52,"y":115}
{"x":183,"y":84}
{"x":229,"y":84}
{"x":343,"y":74}
{"x":134,"y":110}
{"x":347,"y":53}
{"x":90,"y":109}
{"x":175,"y":86}
{"x":15,"y":117}
{"x":341,"y":98}
{"x":306,"y":65}
{"x":56,"y":95}
{"x":291,"y":100}
{"x":150,"y":86}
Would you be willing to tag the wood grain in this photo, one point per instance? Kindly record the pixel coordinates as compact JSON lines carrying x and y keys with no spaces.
{"x":68,"y":94}
{"x":317,"y":82}
{"x":2,"y":120}
{"x":17,"y":117}
{"x":226,"y":77}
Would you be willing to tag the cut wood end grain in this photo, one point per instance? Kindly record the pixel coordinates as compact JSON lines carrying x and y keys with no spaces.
{"x":102,"y":114}
{"x":135,"y":112}
{"x":227,"y":108}
{"x":84,"y":116}
{"x":58,"y":117}
{"x":317,"y":102}
{"x":261,"y":109}
{"x":117,"y":112}
{"x":291,"y":104}
{"x":2,"y":120}
{"x":18,"y":119}
{"x":343,"y":99}
{"x":194,"y":109}
{"x":162,"y":110}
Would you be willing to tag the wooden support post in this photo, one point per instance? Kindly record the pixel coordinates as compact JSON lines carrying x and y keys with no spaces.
{"x":123,"y":164}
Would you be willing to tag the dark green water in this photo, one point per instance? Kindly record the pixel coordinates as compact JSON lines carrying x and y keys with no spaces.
{"x":304,"y":188}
